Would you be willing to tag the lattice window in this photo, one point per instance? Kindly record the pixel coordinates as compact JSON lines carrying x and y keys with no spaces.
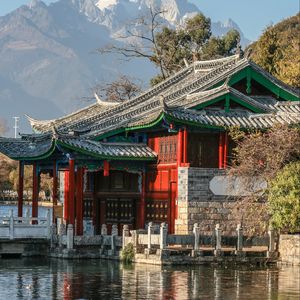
{"x":119,"y":210}
{"x":167,"y":148}
{"x":88,"y":208}
{"x":156,"y":210}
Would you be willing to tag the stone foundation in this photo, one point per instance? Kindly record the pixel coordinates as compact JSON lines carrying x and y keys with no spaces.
{"x":197,"y":204}
{"x":289,"y":249}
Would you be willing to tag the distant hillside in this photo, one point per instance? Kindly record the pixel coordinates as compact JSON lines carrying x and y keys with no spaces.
{"x":278,"y":50}
{"x":48,"y":59}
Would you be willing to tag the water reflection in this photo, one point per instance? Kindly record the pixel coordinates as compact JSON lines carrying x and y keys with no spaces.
{"x":94,"y":279}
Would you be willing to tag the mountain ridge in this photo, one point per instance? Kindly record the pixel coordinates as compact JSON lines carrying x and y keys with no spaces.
{"x":48,"y":53}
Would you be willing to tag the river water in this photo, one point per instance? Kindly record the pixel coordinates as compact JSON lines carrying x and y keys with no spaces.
{"x":41,"y":278}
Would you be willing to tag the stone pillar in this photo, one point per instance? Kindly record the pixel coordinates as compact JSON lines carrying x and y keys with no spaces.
{"x":124,"y":235}
{"x":218,"y":235}
{"x":239,"y":230}
{"x":114,"y":232}
{"x":134,"y":238}
{"x":70,"y":237}
{"x":61,"y":233}
{"x":27,"y":216}
{"x":163,"y":236}
{"x":271,"y":240}
{"x":150,"y":225}
{"x":197,"y":236}
{"x":103,"y":229}
{"x":48,"y":223}
{"x":53,"y":235}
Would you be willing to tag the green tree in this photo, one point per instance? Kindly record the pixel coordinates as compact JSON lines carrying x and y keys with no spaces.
{"x":264,"y":155}
{"x":277,"y":50}
{"x":284,"y":198}
{"x":168,"y":48}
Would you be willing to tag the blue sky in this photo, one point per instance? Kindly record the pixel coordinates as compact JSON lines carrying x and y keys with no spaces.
{"x":251,"y":15}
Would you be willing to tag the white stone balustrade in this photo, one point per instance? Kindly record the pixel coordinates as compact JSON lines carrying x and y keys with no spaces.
{"x":25,"y":227}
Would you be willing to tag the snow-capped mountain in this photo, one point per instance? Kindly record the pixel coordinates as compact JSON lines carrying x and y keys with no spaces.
{"x":48,"y":57}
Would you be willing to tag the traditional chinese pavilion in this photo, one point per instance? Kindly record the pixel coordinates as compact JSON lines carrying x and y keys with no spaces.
{"x":120,"y":161}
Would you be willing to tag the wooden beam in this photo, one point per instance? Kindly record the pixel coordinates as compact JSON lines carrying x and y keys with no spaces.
{"x":185,"y":145}
{"x":35,"y":191}
{"x":66,"y":196}
{"x":225,"y":150}
{"x":221,"y":150}
{"x":142,"y":202}
{"x":179,"y":147}
{"x":20,"y":189}
{"x":79,"y":201}
{"x":54,"y":191}
{"x":71,"y":208}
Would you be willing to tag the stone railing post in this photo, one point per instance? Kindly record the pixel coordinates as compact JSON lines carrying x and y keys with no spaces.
{"x":61,"y":233}
{"x":218,"y":239}
{"x":196,"y":235}
{"x":27,"y":216}
{"x":239,"y":230}
{"x":150,"y":225}
{"x":271,"y":240}
{"x":103,"y":229}
{"x":53,"y":235}
{"x":48,"y":224}
{"x":163,"y":236}
{"x":70,"y":237}
{"x":11,"y":225}
{"x":114,"y":232}
{"x":124,"y":235}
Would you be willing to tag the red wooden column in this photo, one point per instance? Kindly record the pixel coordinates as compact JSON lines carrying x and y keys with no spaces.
{"x":54,"y":191}
{"x":179,"y":147}
{"x":35,"y":191}
{"x":225,"y":150}
{"x":221,"y":150}
{"x":66,"y":196}
{"x":142,"y":203}
{"x":71,"y":204}
{"x":79,"y":201}
{"x":20,"y":189}
{"x":185,"y":145}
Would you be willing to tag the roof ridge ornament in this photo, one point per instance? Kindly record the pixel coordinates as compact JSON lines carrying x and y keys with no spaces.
{"x":239,"y":50}
{"x":102,"y":102}
{"x":163,"y":103}
{"x":54,"y":130}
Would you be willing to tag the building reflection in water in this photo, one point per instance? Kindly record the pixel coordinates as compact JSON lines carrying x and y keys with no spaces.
{"x":94,"y":279}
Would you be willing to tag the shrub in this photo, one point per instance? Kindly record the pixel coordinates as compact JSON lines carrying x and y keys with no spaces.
{"x":284,"y":198}
{"x":127,"y":254}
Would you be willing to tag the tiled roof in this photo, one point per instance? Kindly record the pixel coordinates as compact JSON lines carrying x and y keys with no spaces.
{"x":109,"y":150}
{"x":244,"y":119}
{"x":186,"y":79}
{"x":30,"y":148}
{"x":24,"y":147}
